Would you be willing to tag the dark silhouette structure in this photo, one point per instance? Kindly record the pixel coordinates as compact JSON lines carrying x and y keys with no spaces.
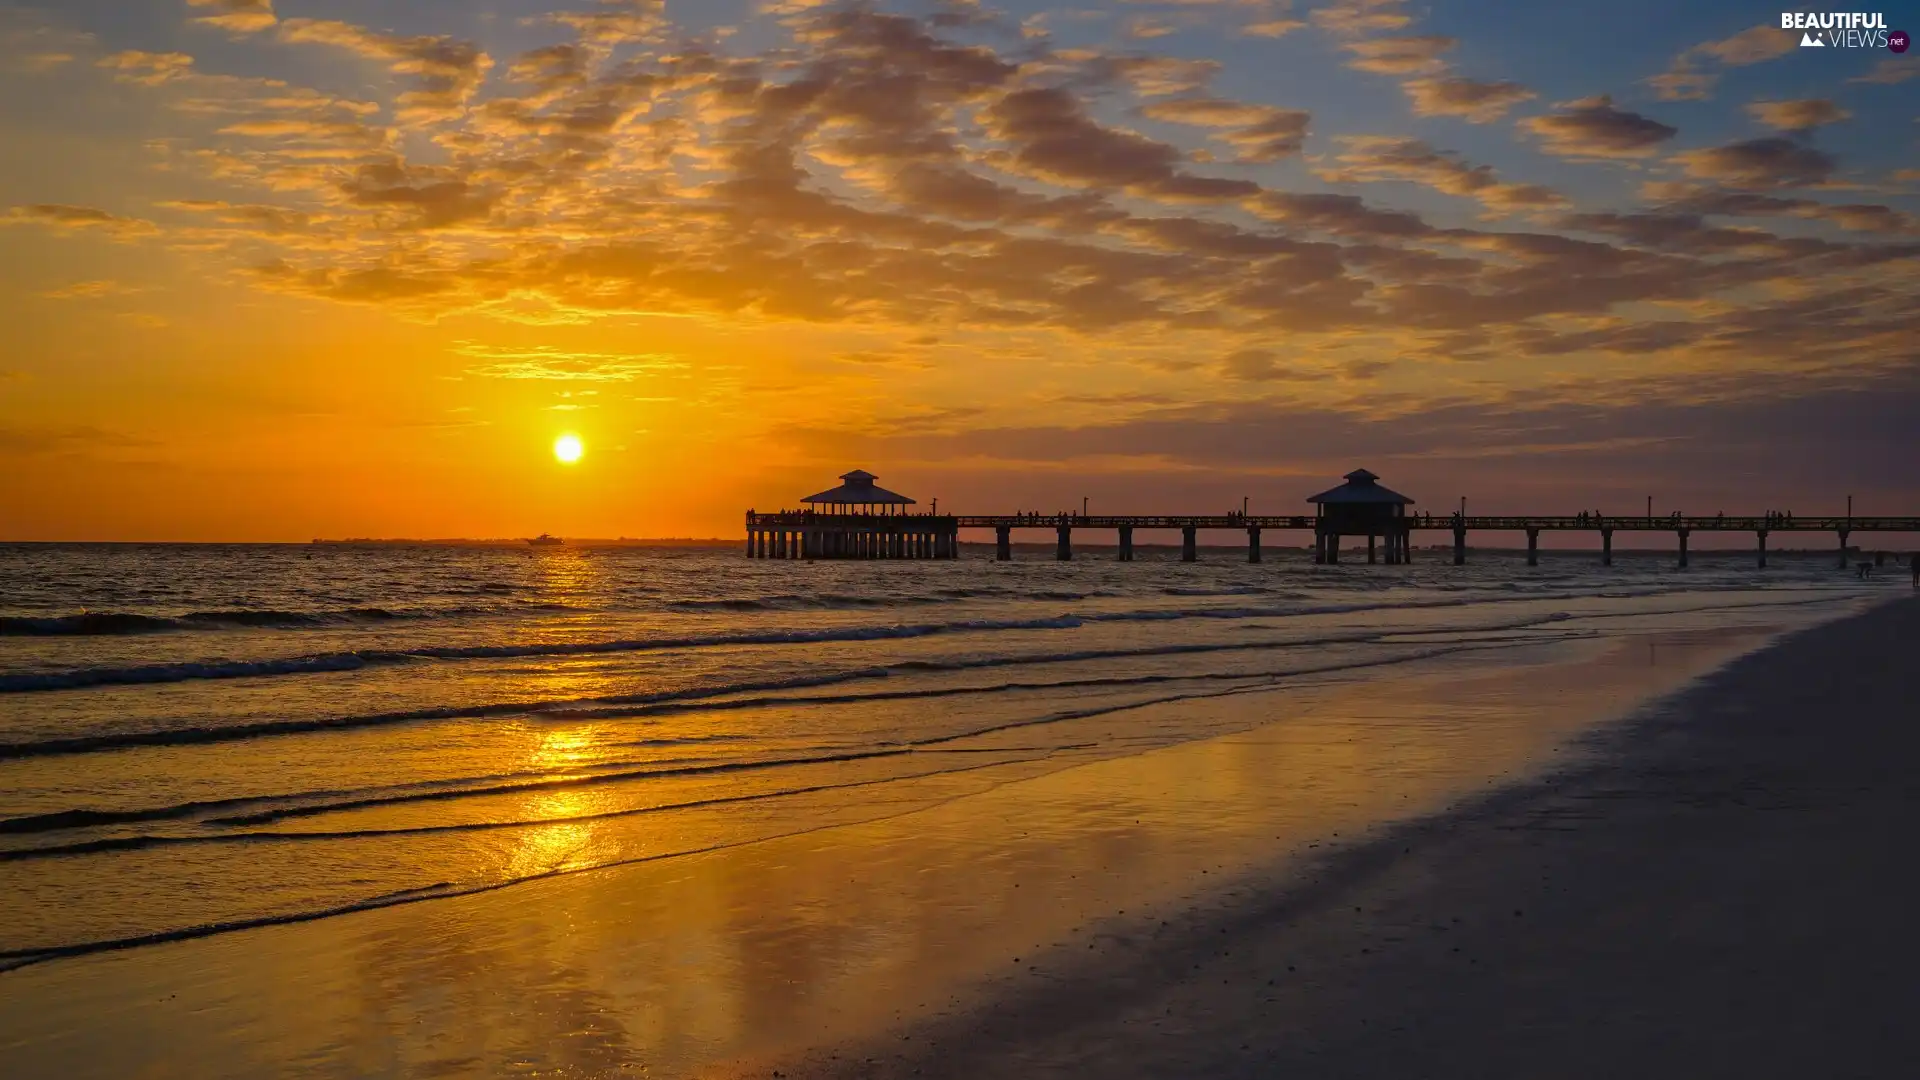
{"x":857,"y":520}
{"x":864,"y":521}
{"x":1361,"y":507}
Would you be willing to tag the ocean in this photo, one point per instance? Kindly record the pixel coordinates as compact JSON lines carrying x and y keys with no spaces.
{"x":199,"y":740}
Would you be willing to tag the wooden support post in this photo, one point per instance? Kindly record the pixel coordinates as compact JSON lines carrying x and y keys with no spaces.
{"x":1370,"y":555}
{"x":1189,"y":544}
{"x":1333,"y":549}
{"x":1843,"y":549}
{"x":1762,"y":549}
{"x":1003,"y":542}
{"x":749,"y":543}
{"x":1406,"y":546}
{"x":1533,"y":547}
{"x":1126,"y":543}
{"x":1319,"y":547}
{"x":1684,"y":533}
{"x":1064,"y":552}
{"x":1606,"y":547}
{"x":1253,"y":544}
{"x":1459,"y":547}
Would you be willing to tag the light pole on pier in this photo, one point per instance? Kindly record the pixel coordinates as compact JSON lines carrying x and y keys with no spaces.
{"x":1244,"y":500}
{"x":1083,"y":506}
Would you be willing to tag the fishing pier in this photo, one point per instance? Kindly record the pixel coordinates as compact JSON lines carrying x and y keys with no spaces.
{"x":880,"y":527}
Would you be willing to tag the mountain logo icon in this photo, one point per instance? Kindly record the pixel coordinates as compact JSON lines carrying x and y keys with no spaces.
{"x":1808,"y":41}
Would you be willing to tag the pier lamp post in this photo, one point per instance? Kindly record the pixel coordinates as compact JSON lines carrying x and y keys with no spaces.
{"x":936,"y":506}
{"x":1849,"y":509}
{"x":1244,"y":500}
{"x":1083,"y":506}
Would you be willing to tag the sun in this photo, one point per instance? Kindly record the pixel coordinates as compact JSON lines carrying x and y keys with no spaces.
{"x":568,"y":449}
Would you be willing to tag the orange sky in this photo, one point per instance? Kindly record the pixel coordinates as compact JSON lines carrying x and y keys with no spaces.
{"x":275,"y":271}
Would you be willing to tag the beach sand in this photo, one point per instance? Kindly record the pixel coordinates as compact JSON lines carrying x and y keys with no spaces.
{"x":1715,"y":888}
{"x":1725,"y":889}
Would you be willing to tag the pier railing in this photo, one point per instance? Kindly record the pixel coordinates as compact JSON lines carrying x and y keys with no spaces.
{"x":806,"y":535}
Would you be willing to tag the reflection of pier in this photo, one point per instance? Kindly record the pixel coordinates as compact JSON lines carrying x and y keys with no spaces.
{"x":1358,"y":508}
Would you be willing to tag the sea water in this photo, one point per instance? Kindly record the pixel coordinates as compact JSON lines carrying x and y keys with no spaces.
{"x":197,"y":740}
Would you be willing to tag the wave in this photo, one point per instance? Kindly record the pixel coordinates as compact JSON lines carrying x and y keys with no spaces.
{"x":115,"y":623}
{"x":853,"y":602}
{"x":76,"y":678}
{"x":14,"y":959}
{"x":665,"y":700}
{"x":120,"y":740}
{"x":1250,"y":682}
{"x":659,"y":704}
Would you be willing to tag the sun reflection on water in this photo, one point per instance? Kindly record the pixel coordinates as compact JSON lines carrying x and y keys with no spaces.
{"x":562,"y":842}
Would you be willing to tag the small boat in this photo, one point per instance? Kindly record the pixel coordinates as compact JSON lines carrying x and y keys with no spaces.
{"x":545,"y":540}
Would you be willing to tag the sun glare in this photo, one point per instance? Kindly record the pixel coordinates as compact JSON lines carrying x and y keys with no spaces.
{"x":568,"y":449}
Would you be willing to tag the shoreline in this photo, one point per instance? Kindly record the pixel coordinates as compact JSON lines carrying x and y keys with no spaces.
{"x":1712,"y":891}
{"x":876,"y":916}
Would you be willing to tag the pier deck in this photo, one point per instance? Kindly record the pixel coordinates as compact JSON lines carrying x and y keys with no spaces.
{"x":806,"y":535}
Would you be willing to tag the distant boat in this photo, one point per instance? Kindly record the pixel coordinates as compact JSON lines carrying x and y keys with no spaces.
{"x":545,"y":540}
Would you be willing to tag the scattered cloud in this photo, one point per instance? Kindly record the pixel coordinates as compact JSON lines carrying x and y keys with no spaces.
{"x":1400,"y":55}
{"x":1258,"y":133}
{"x":1474,"y":101}
{"x":1796,"y":116}
{"x":1685,"y":80}
{"x":1759,"y":163}
{"x":1889,"y":71}
{"x":555,"y":365}
{"x":90,"y":290}
{"x":447,"y":72}
{"x":149,"y":68}
{"x":1369,"y":158}
{"x":79,"y":219}
{"x":237,"y":16}
{"x":1593,"y":128}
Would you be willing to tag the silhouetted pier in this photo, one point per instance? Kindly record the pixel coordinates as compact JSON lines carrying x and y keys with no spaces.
{"x":1358,"y":508}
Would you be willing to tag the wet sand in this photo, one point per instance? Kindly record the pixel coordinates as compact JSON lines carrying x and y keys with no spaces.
{"x":1112,"y":916}
{"x":1725,"y":889}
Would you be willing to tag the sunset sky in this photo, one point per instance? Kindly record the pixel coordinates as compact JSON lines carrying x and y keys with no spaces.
{"x":276,"y":269}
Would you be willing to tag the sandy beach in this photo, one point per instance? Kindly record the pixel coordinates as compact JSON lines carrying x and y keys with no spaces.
{"x":1721,"y":890}
{"x":1099,"y":867}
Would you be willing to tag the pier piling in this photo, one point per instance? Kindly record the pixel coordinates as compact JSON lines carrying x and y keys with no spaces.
{"x":1003,"y":542}
{"x":1126,"y":543}
{"x":1762,"y":548}
{"x":1533,"y":547}
{"x":1684,"y":533}
{"x":1253,"y":545}
{"x":1189,"y":544}
{"x":1065,"y":551}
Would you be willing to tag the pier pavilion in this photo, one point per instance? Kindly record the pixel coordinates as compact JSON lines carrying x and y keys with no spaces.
{"x":1361,"y":507}
{"x":861,"y":520}
{"x":857,"y":520}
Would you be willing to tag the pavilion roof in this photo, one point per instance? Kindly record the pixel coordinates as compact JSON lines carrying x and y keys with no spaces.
{"x":1361,"y":487}
{"x":859,"y":490}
